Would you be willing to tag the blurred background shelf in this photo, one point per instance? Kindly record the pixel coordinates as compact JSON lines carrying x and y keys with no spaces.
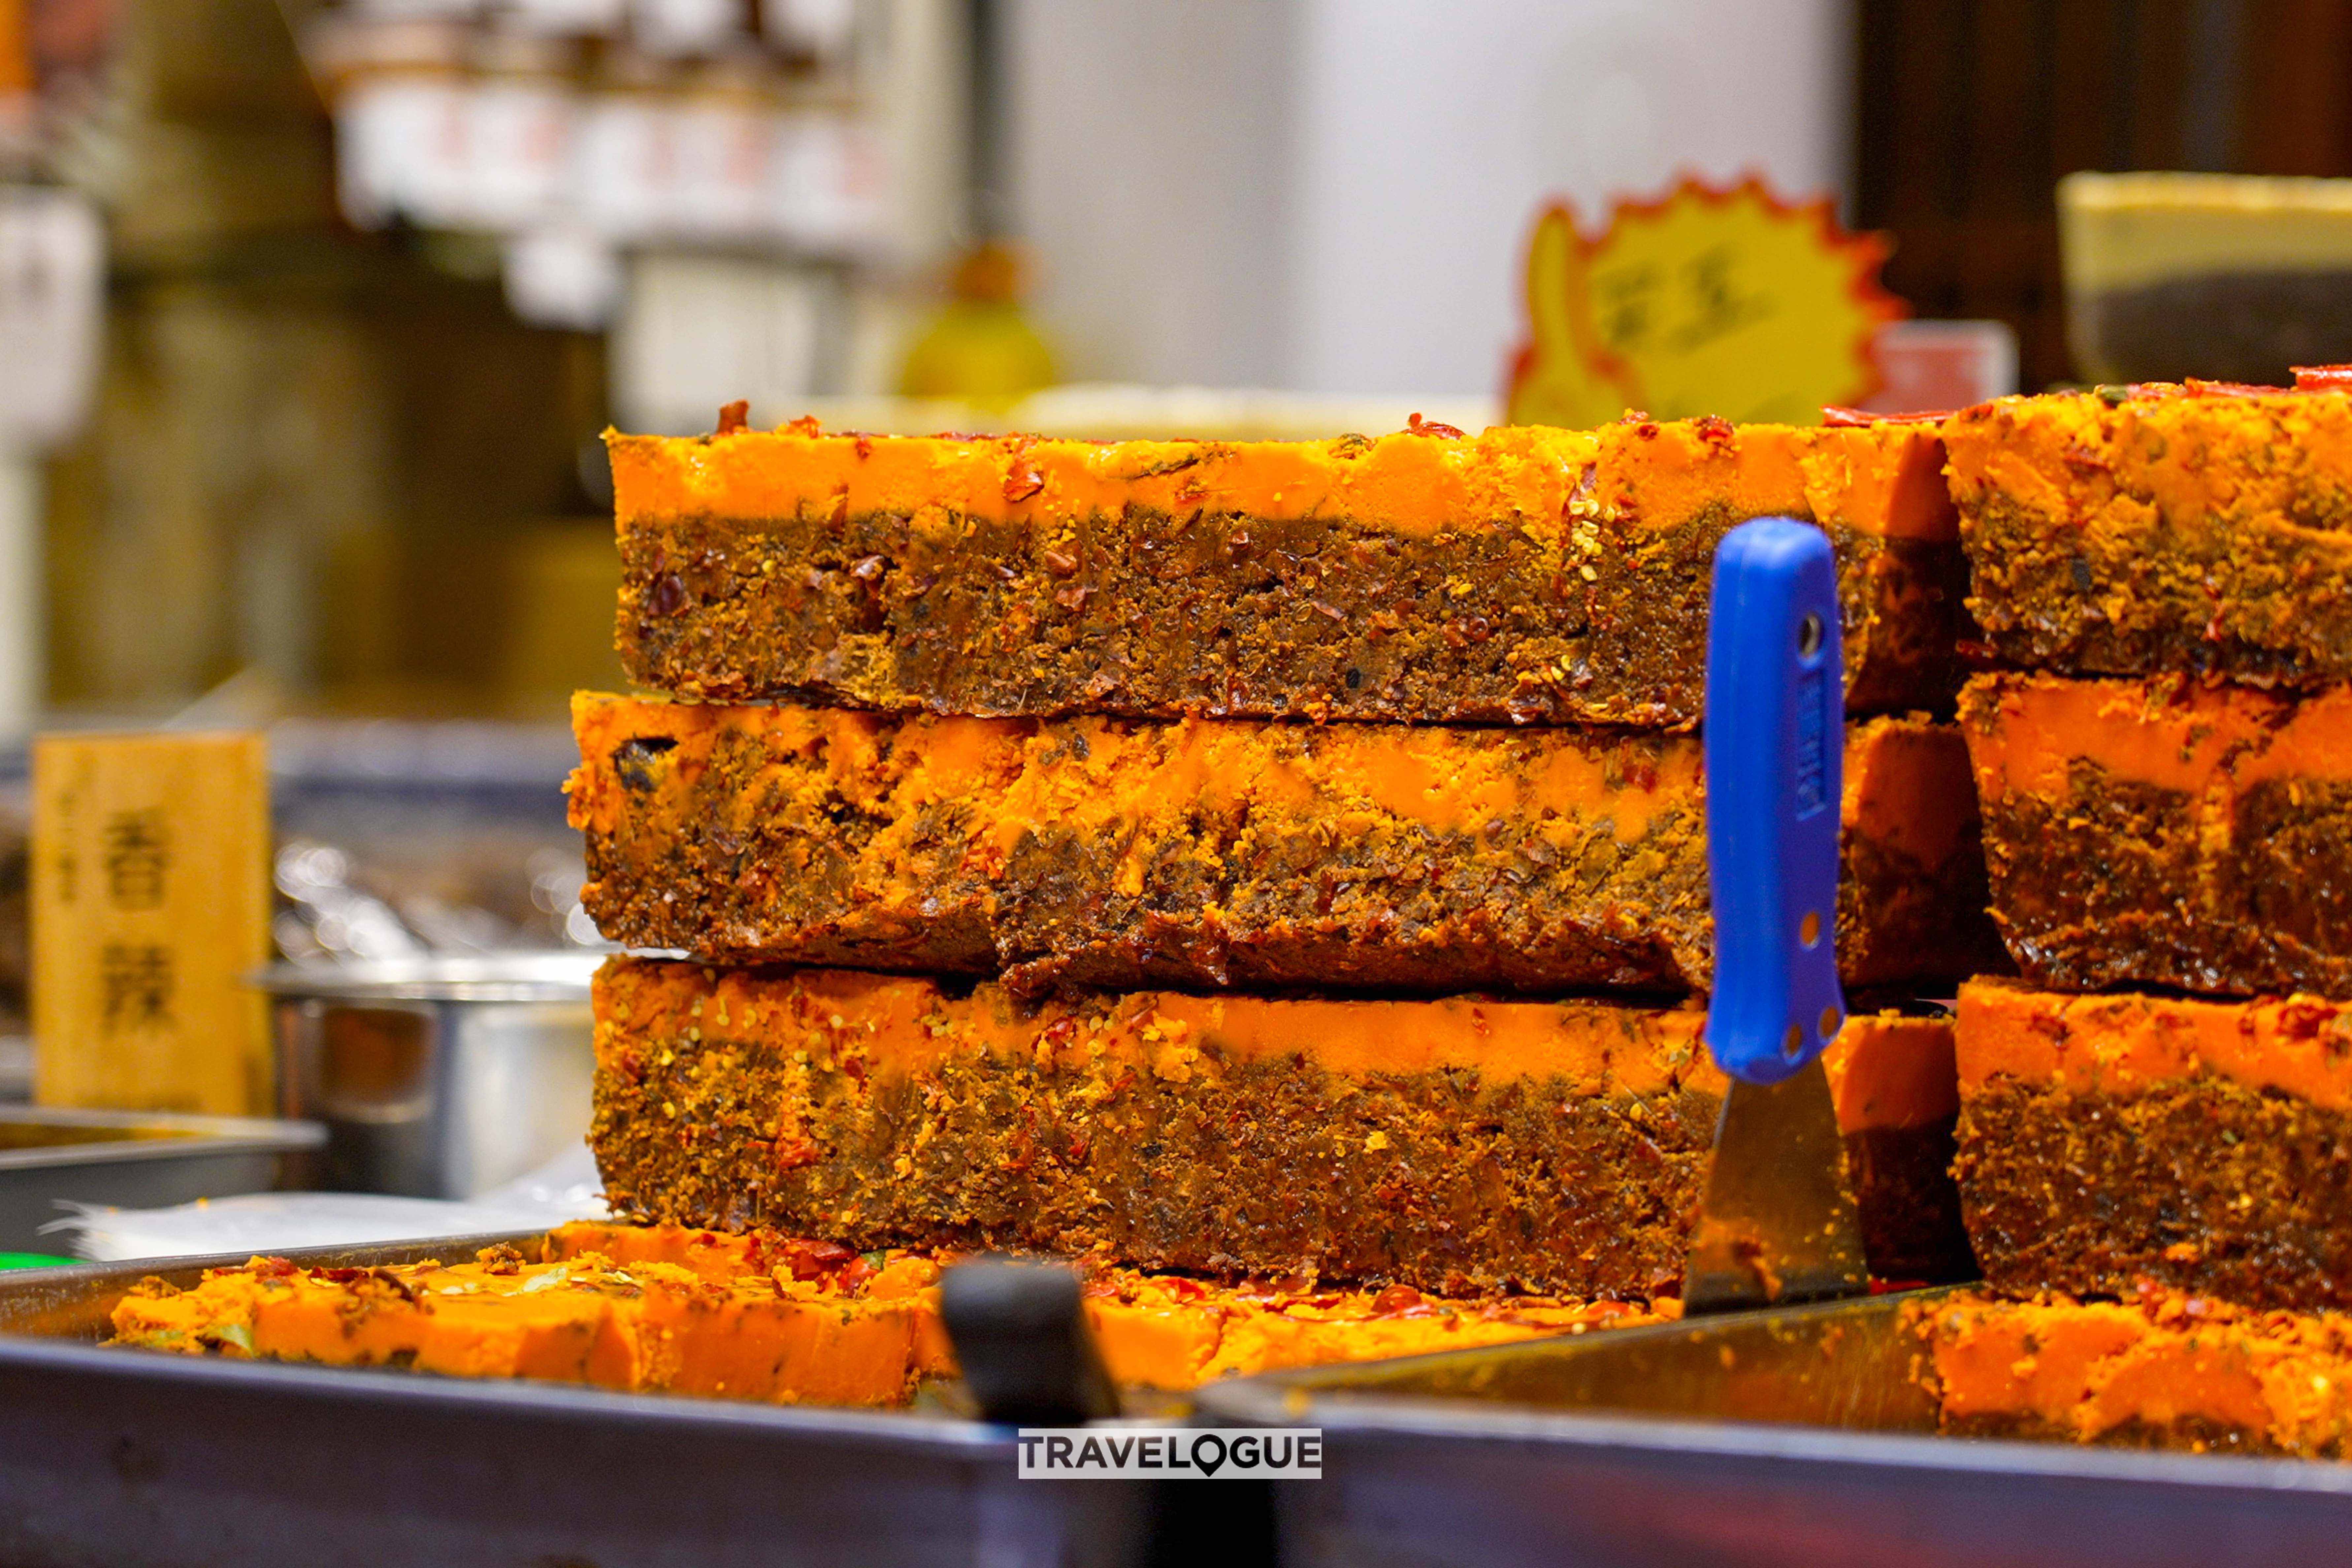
{"x":377,"y":272}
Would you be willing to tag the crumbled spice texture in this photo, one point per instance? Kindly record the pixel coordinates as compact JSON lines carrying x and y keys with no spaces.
{"x":2206,"y":1146}
{"x":1359,"y":1142}
{"x":2165,"y":832}
{"x":2158,"y":1368}
{"x":2198,"y":529}
{"x":1912,"y":1230}
{"x":1526,"y":575}
{"x":1458,"y":1146}
{"x":784,"y":1319}
{"x":1121,"y":854}
{"x":1169,"y":1331}
{"x":1894,"y":1081}
{"x":864,"y":1332}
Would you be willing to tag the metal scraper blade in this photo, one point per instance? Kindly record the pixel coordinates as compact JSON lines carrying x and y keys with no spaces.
{"x":1779,"y":1224}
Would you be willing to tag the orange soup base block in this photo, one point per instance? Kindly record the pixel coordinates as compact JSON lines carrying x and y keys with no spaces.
{"x":1201,"y":853}
{"x":2198,"y":529}
{"x":2158,"y":1368}
{"x":1461,"y":1146}
{"x":2166,"y":832}
{"x":584,"y":1318}
{"x":779,"y":1319}
{"x":1525,"y":575}
{"x":2107,"y":1140}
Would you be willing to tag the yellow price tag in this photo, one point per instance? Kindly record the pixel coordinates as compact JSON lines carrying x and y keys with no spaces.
{"x":1726,"y":301}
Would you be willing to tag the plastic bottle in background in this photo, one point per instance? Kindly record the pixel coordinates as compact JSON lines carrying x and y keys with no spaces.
{"x":981,"y":346}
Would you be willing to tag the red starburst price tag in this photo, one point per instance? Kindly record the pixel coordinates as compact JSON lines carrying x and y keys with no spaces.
{"x":1706,"y":300}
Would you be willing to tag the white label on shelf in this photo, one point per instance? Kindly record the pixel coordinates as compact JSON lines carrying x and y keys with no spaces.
{"x":518,"y":143}
{"x":825,"y":191}
{"x":570,"y":18}
{"x":685,"y":27}
{"x":52,"y":278}
{"x":623,"y":166}
{"x":696,"y":331}
{"x":723,"y":153}
{"x":820,"y":27}
{"x":562,"y":276}
{"x":401,"y":145}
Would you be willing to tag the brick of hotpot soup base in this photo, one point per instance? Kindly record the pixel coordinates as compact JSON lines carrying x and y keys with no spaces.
{"x":1461,"y":1145}
{"x":2159,"y":1368}
{"x":2106,"y":1141}
{"x":1117,"y":854}
{"x":1525,"y":575}
{"x":775,"y":1318}
{"x":1170,"y":1331}
{"x":2138,"y":530}
{"x":2166,"y":832}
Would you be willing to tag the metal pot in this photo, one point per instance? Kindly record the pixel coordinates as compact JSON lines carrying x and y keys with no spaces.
{"x":436,"y":1078}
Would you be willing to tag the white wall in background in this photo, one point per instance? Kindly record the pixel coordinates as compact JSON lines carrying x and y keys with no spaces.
{"x":1150,"y":144}
{"x":1429,"y":134}
{"x":696,"y":331}
{"x":1332,"y":195}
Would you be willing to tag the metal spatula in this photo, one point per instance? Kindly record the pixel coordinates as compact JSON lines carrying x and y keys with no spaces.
{"x":1777,"y":1223}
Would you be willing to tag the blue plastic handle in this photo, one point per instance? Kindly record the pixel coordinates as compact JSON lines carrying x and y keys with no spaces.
{"x":1775,"y":738}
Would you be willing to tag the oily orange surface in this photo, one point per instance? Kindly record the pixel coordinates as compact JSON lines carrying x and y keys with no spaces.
{"x":1097,"y":772}
{"x":584,"y":1318}
{"x":1905,"y":781}
{"x":2026,"y":733}
{"x":2160,"y":1359}
{"x":895,"y":1024}
{"x":1875,"y":479}
{"x":1170,"y":1331}
{"x":2228,"y":457}
{"x":2300,"y":1045}
{"x":780,"y":1319}
{"x":1888,"y":1072}
{"x":1906,"y":789}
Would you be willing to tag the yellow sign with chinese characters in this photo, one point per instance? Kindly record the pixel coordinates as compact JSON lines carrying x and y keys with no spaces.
{"x":150,"y":909}
{"x":1724,"y":301}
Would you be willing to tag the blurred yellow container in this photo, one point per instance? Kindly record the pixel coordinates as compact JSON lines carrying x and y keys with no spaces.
{"x":2224,"y":277}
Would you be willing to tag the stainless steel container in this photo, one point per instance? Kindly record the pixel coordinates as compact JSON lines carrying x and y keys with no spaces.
{"x":436,"y":1078}
{"x":131,"y":1159}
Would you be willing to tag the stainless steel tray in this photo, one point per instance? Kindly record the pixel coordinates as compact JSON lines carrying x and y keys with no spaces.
{"x":1610,"y":1451}
{"x":141,"y":1460}
{"x":134,"y":1159}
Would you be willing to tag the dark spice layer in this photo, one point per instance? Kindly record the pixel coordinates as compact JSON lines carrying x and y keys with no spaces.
{"x":1912,"y":1228}
{"x":2161,"y":832}
{"x":2204,"y":1145}
{"x":2203,"y":1184}
{"x":1447,"y":1145}
{"x":2203,"y":528}
{"x":1454,"y":1144}
{"x":1118,"y":853}
{"x":1524,"y":575}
